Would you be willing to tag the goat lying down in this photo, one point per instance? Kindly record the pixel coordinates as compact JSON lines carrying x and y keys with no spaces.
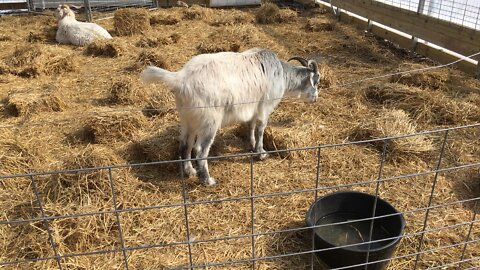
{"x":215,"y":90}
{"x":71,"y":31}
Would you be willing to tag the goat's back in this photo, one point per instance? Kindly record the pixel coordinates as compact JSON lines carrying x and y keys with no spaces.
{"x":232,"y":86}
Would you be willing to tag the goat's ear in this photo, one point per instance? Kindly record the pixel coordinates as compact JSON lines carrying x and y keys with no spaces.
{"x":312,"y":64}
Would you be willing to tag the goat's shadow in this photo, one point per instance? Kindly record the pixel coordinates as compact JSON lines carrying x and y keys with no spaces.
{"x":467,"y":186}
{"x":155,"y":159}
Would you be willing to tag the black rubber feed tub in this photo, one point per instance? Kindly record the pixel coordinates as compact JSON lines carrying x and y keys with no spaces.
{"x":344,"y":240}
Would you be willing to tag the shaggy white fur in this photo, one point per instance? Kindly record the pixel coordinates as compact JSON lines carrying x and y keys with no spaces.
{"x":71,"y":31}
{"x":215,"y":90}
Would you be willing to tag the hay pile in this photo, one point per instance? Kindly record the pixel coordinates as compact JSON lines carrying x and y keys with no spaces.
{"x":30,"y":61}
{"x":107,"y":48}
{"x":131,"y":21}
{"x":270,"y":13}
{"x":28,"y":103}
{"x":196,"y":12}
{"x":423,"y":106}
{"x":114,"y":126}
{"x":319,"y":25}
{"x":152,"y":41}
{"x":430,"y":79}
{"x":150,"y":57}
{"x":127,"y":91}
{"x":45,"y":36}
{"x":232,"y":18}
{"x":328,"y":77}
{"x":159,"y":147}
{"x":18,"y":154}
{"x":164,"y":18}
{"x":229,"y":38}
{"x":393,"y":123}
{"x":279,"y":138}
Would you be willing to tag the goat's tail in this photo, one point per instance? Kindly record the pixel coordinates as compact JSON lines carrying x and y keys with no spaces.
{"x":155,"y":74}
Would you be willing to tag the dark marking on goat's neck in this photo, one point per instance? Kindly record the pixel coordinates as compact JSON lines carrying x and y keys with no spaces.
{"x":263,"y":68}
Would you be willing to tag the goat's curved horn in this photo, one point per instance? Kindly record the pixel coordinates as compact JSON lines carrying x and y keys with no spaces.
{"x":75,"y":7}
{"x":302,"y":60}
{"x":312,"y":64}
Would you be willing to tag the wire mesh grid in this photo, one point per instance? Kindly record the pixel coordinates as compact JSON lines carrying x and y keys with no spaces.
{"x":318,"y":186}
{"x":461,"y":12}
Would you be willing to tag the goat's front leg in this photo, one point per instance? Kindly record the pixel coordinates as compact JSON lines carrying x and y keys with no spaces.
{"x":259,"y":138}
{"x":205,"y":141}
{"x":187,"y":139}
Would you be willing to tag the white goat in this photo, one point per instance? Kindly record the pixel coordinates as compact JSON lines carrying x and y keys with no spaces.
{"x":71,"y":31}
{"x":214,"y":90}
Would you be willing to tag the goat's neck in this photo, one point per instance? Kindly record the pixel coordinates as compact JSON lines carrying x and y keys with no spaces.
{"x":67,"y":19}
{"x":294,"y":77}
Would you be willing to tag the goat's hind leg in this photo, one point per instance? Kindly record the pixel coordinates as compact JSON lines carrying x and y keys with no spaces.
{"x":259,"y":139}
{"x":204,"y":142}
{"x":187,"y":139}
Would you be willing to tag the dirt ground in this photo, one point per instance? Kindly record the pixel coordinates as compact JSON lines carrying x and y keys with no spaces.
{"x":65,"y":107}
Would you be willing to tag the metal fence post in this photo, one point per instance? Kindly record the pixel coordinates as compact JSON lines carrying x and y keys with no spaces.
{"x":88,"y":10}
{"x":420,"y":8}
{"x":30,"y":5}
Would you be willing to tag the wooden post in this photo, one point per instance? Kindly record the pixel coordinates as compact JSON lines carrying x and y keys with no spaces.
{"x":88,"y":10}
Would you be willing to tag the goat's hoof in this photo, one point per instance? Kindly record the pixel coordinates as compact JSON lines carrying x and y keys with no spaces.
{"x":190,"y":172}
{"x":210,"y":181}
{"x":263,"y":156}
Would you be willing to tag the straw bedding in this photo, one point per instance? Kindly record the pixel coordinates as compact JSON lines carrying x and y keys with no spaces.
{"x":34,"y":60}
{"x":98,"y":114}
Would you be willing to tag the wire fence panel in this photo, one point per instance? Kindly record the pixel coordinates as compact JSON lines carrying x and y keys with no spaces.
{"x":252,"y":209}
{"x":461,"y":12}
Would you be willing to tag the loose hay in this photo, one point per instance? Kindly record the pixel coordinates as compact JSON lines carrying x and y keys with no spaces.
{"x":229,"y":38}
{"x":159,"y":147}
{"x":5,"y":38}
{"x":26,"y":104}
{"x":131,"y":21}
{"x":287,"y":15}
{"x":232,"y":17}
{"x":127,"y":91}
{"x":149,"y":58}
{"x":268,"y":13}
{"x":106,"y":48}
{"x":280,"y":138}
{"x":432,"y":79}
{"x":46,"y":35}
{"x":328,"y":77}
{"x":34,"y":60}
{"x":164,"y":19}
{"x":393,"y":123}
{"x":18,"y":154}
{"x":115,"y":126}
{"x":153,"y":41}
{"x":196,"y":12}
{"x":319,"y":25}
{"x":425,"y":107}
